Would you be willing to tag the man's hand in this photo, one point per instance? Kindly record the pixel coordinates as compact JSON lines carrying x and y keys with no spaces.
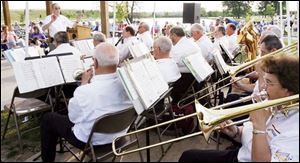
{"x":87,"y":76}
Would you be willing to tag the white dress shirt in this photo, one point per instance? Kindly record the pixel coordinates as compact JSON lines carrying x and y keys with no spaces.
{"x":222,"y":40}
{"x":60,"y":24}
{"x":232,"y":40}
{"x":169,"y":69}
{"x":206,"y":47}
{"x":146,"y":39}
{"x":105,"y":94}
{"x":184,"y":47}
{"x":283,"y":138}
{"x":123,"y":47}
{"x":65,"y":48}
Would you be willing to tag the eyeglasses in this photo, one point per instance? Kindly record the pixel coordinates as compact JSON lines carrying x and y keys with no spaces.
{"x":57,"y":8}
{"x":270,"y":83}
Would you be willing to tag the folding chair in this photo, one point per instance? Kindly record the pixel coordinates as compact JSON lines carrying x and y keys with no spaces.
{"x":26,"y":104}
{"x":110,"y":123}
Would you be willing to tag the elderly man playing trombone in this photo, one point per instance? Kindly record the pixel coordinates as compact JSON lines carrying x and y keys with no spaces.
{"x":272,"y":134}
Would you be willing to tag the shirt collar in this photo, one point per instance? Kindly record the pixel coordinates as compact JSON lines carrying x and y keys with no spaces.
{"x":104,"y":77}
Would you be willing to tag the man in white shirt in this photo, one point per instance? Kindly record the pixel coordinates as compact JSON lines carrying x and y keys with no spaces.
{"x":144,"y":35}
{"x":56,"y":22}
{"x":202,"y":41}
{"x":128,"y":39}
{"x":100,"y":94}
{"x":182,"y":47}
{"x":167,"y":66}
{"x":220,"y":38}
{"x":98,"y":37}
{"x":62,"y":45}
{"x":232,"y":37}
{"x":271,"y":135}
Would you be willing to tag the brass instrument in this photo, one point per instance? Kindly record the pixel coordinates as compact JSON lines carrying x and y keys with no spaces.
{"x":209,"y":118}
{"x":250,"y":38}
{"x":77,"y":74}
{"x":233,"y":71}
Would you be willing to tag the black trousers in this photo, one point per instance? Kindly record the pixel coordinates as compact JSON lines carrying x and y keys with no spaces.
{"x":56,"y":126}
{"x":209,"y":156}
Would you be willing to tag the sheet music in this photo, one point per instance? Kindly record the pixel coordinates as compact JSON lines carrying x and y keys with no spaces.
{"x":143,"y":83}
{"x":222,"y":66}
{"x":226,"y":51}
{"x":130,"y":90}
{"x":85,"y":46}
{"x":25,"y":76}
{"x":33,"y":52}
{"x":87,"y":62}
{"x":69,"y":64}
{"x":47,"y":72}
{"x":90,"y":43}
{"x":138,"y":49}
{"x":198,"y":66}
{"x":8,"y":56}
{"x":156,"y":77}
{"x":18,"y":54}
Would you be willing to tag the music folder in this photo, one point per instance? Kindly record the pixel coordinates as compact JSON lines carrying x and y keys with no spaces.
{"x":229,"y":55}
{"x":198,"y":66}
{"x":46,"y":71}
{"x":143,"y":82}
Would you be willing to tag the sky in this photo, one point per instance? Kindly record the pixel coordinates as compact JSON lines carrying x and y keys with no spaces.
{"x":148,"y":6}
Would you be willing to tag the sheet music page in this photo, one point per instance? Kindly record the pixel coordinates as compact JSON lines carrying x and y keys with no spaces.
{"x":69,"y":64}
{"x":8,"y":56}
{"x":155,"y":75}
{"x":143,"y":83}
{"x":25,"y":76}
{"x":199,"y":66}
{"x":226,"y":51}
{"x":134,"y":50}
{"x":222,"y":66}
{"x":87,"y":62}
{"x":47,"y":72}
{"x":143,"y":49}
{"x":33,"y":52}
{"x":130,"y":90}
{"x":18,"y":54}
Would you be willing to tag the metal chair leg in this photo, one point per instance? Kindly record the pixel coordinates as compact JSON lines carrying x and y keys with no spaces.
{"x":6,"y":125}
{"x":18,"y":132}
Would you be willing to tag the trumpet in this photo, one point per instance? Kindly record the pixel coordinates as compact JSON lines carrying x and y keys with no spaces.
{"x":233,"y":71}
{"x":209,"y":118}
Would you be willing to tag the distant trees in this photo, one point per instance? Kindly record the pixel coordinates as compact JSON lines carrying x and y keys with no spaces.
{"x":237,"y":8}
{"x":269,"y":8}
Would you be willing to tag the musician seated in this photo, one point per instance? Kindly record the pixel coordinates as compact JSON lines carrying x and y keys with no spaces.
{"x":219,"y":37}
{"x":98,"y":37}
{"x":270,"y":135}
{"x":167,"y":66}
{"x":128,"y":38}
{"x":62,"y":45}
{"x":269,"y":44}
{"x":144,"y":35}
{"x":231,"y":36}
{"x":182,"y":47}
{"x":98,"y":94}
{"x":203,"y":42}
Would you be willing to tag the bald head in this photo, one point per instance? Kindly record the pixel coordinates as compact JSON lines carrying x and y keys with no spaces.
{"x":106,"y":55}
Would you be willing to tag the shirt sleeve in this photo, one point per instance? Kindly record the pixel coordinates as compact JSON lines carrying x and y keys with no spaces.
{"x":78,"y":104}
{"x":47,"y":20}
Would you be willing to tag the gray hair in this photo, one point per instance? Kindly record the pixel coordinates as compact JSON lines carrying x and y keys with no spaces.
{"x":106,"y":54}
{"x":275,"y":29}
{"x":164,"y":43}
{"x":197,"y":27}
{"x":99,"y":36}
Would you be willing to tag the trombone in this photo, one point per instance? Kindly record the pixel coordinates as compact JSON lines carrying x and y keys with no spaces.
{"x":233,"y":71}
{"x":209,"y":118}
